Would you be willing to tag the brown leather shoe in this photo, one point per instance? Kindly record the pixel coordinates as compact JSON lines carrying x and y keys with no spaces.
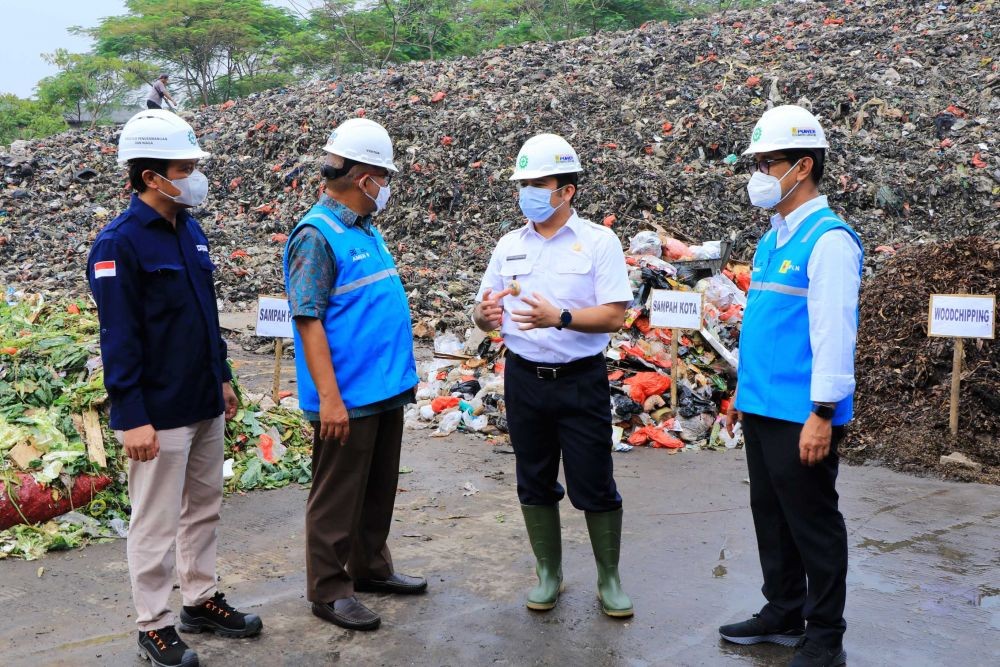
{"x":347,"y":613}
{"x":400,"y":584}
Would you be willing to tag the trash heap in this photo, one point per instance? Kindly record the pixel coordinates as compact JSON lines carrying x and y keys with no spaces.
{"x":462,"y":387}
{"x":62,"y":472}
{"x":904,"y":377}
{"x":909,"y":93}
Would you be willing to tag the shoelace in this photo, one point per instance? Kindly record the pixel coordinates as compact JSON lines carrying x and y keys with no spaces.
{"x":219,"y":605}
{"x":163,"y":637}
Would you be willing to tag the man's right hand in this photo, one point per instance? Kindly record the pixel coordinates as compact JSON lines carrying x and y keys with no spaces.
{"x":141,"y":443}
{"x":491,"y":309}
{"x":733,"y":416}
{"x":334,"y":424}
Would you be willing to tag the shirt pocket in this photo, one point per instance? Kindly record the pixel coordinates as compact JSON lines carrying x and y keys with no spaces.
{"x":165,"y":286}
{"x":573,"y":281}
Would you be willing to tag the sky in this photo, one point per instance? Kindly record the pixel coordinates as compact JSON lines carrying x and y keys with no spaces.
{"x":34,"y":27}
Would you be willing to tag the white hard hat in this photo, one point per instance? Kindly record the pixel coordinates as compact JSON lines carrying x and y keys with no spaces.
{"x":786,"y":127}
{"x":160,"y":134}
{"x":545,"y":155}
{"x":363,"y":141}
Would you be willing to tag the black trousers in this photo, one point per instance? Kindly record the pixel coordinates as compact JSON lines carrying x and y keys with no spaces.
{"x":350,"y":505}
{"x":150,"y":104}
{"x":801,"y":534}
{"x":568,"y":416}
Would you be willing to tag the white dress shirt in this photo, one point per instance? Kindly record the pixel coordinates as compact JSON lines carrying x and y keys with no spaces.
{"x":581,"y":266}
{"x":834,"y":281}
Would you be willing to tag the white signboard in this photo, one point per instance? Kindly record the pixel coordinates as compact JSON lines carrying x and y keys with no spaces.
{"x":962,"y":316}
{"x":274,"y":319}
{"x":675,"y":310}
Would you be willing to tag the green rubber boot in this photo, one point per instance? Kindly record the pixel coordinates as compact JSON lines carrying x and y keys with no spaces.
{"x":606,"y":538}
{"x":542,"y":522}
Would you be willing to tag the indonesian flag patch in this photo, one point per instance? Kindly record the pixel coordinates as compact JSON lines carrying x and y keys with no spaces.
{"x":104,"y":269}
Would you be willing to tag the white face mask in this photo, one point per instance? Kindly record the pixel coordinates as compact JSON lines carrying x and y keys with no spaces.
{"x":382,"y":198}
{"x":765,"y":190}
{"x":194,"y":189}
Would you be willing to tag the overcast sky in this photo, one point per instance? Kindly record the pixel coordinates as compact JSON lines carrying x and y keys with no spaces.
{"x":34,"y":27}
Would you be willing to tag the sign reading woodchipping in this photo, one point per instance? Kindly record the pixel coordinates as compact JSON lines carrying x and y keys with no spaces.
{"x":962,"y":316}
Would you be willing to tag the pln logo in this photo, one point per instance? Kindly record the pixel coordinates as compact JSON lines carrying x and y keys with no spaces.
{"x":787,"y":266}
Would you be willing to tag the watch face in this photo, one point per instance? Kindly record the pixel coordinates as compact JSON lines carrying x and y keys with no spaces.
{"x":565,"y":317}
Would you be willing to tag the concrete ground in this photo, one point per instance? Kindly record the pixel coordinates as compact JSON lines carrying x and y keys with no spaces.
{"x":924,"y":585}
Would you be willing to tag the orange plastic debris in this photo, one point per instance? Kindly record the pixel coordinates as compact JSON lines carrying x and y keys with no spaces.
{"x":643,"y":385}
{"x":73,"y":309}
{"x":438,"y":96}
{"x":442,"y":403}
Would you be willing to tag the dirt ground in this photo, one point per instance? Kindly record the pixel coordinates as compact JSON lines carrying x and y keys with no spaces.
{"x":923,"y":587}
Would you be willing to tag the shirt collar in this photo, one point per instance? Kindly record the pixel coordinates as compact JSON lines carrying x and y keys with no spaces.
{"x":795,"y":218}
{"x":346,"y":215}
{"x":147,"y":215}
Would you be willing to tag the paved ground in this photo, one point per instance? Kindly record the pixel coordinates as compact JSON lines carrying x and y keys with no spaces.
{"x":924,"y":585}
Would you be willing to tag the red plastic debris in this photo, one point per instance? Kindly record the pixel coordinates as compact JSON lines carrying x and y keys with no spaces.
{"x":643,"y":385}
{"x":38,"y":503}
{"x":753,"y":81}
{"x":279,"y":237}
{"x":610,"y":220}
{"x":228,"y":104}
{"x":438,"y":96}
{"x":442,"y":403}
{"x":237,"y":254}
{"x":447,"y":141}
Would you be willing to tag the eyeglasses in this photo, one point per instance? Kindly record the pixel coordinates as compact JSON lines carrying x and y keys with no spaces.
{"x":764,"y":166}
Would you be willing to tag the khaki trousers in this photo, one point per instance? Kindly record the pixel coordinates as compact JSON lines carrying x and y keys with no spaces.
{"x":350,"y":505}
{"x":176,"y":499}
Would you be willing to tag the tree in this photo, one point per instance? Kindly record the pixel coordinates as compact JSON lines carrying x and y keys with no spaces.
{"x":214,"y":48}
{"x":27,"y":119}
{"x":90,"y":83}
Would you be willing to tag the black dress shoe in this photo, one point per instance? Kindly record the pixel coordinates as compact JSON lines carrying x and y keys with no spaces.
{"x":347,"y":613}
{"x":396,"y":583}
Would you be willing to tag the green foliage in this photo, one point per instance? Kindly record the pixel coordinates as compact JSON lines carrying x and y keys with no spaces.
{"x":27,"y":119}
{"x":90,"y":83}
{"x":214,"y":49}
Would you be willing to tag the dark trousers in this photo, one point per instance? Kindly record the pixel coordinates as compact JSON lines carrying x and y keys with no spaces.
{"x":150,"y":104}
{"x":350,"y":505}
{"x":801,"y":535}
{"x":568,"y":416}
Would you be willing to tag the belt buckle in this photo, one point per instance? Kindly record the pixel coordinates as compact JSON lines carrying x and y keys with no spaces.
{"x":546,"y":372}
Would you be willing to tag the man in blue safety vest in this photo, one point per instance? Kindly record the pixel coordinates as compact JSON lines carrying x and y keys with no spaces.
{"x":795,"y":392}
{"x":356,"y":371}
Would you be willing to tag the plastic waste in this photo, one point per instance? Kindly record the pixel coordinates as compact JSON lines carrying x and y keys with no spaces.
{"x":448,"y":424}
{"x":646,"y":243}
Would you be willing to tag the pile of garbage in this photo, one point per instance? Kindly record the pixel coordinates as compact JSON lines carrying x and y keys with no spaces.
{"x":62,"y":472}
{"x":904,"y":377}
{"x":462,"y":387}
{"x":909,"y":93}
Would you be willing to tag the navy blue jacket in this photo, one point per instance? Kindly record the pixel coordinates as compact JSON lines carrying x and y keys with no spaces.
{"x":164,"y":356}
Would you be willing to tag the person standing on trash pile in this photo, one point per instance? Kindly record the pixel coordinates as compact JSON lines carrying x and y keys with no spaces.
{"x":356,"y":372}
{"x":556,"y":288}
{"x":166,"y":374}
{"x":158,"y":92}
{"x":795,"y":390}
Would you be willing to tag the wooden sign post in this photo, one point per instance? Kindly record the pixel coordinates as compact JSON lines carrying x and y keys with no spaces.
{"x":960,"y":316}
{"x":676,"y":311}
{"x":274,"y":319}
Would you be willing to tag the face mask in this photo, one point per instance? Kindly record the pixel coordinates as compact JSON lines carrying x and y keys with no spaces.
{"x":382,"y":198}
{"x":765,"y":190}
{"x":194,"y":189}
{"x":534,"y":203}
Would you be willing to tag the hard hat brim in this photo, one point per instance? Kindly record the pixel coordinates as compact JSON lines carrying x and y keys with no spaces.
{"x":385,"y":165}
{"x":528,"y":174}
{"x":783,"y":146}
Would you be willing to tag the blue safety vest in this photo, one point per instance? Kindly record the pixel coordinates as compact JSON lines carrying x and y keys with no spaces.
{"x":775,"y":368}
{"x":367,"y":319}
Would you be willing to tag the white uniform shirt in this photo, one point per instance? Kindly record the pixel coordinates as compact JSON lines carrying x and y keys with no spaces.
{"x":832,"y":303}
{"x":581,"y":266}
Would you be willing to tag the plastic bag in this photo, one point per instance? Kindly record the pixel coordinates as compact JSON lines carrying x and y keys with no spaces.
{"x":468,"y":388}
{"x":721,"y":291}
{"x":427,"y":412}
{"x":645,"y":243}
{"x":448,"y":344}
{"x":624,"y":407}
{"x":442,"y":403}
{"x":655,"y":436}
{"x":693,"y":429}
{"x":429,"y":390}
{"x":674,"y":249}
{"x":474,"y":424}
{"x":690,"y":404}
{"x":643,"y":385}
{"x":269,"y":448}
{"x":449,"y":423}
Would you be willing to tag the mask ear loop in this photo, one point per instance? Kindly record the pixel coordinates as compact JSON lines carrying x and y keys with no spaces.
{"x":797,"y":183}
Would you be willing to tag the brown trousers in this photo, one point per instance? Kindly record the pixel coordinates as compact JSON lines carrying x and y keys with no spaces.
{"x":172,"y":535}
{"x":350,"y":505}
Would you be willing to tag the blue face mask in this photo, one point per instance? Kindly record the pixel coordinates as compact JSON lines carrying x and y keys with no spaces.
{"x":535,"y":205}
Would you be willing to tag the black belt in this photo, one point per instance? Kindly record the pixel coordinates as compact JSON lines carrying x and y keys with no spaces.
{"x":545,"y":371}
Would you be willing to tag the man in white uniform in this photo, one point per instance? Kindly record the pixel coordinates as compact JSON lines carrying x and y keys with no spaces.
{"x":555,"y":288}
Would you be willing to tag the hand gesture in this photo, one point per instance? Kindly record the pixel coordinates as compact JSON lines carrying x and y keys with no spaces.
{"x":542,"y":313}
{"x":491,"y":307}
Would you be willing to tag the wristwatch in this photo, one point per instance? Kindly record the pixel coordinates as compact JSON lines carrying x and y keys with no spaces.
{"x":823,"y":410}
{"x":565,"y":317}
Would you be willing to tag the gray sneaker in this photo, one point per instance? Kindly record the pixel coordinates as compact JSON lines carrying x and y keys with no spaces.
{"x":755,"y":631}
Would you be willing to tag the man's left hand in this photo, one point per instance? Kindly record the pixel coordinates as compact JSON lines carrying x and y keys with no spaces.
{"x":541,"y":315}
{"x":814,"y":442}
{"x":229,"y":398}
